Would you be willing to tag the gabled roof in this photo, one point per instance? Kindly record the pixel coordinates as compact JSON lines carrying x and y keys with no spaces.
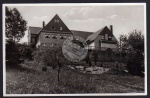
{"x":55,"y":24}
{"x":83,"y":34}
{"x":102,"y":31}
{"x":34,"y":30}
{"x":94,"y":35}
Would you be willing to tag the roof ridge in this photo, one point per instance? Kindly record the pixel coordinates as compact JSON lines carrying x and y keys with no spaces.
{"x":82,"y":31}
{"x":35,"y":27}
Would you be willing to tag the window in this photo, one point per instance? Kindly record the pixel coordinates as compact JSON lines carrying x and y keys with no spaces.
{"x":109,"y":38}
{"x":63,"y":37}
{"x":54,"y":36}
{"x":60,"y":28}
{"x":32,"y":40}
{"x":56,"y":20}
{"x":102,"y":37}
{"x":53,"y":27}
{"x":47,"y":35}
{"x":106,"y":36}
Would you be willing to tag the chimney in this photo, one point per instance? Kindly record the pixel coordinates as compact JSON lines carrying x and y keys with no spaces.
{"x":111,"y":29}
{"x":43,"y":24}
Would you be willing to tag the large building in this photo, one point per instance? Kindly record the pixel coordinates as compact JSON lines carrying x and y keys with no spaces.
{"x":55,"y":32}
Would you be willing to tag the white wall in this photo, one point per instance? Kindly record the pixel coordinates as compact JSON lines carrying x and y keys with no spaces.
{"x":92,"y":45}
{"x":106,"y":45}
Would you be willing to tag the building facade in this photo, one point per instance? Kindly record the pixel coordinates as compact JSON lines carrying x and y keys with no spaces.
{"x":103,"y":39}
{"x":55,"y":32}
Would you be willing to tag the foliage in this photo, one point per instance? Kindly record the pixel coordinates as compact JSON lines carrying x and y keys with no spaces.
{"x":16,"y":53}
{"x":133,"y":45}
{"x":26,"y":51}
{"x":12,"y":53}
{"x":15,"y":24}
{"x":51,"y":56}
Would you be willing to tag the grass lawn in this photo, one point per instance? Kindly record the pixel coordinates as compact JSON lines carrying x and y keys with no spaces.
{"x":30,"y":79}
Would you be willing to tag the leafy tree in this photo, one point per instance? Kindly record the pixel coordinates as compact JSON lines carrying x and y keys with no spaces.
{"x":133,"y":45}
{"x":12,"y":54}
{"x":15,"y":24}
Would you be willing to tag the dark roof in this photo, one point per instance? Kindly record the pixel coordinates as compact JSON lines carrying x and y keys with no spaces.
{"x":94,"y":35}
{"x":83,"y":34}
{"x":54,"y":25}
{"x":102,"y":31}
{"x":35,"y":30}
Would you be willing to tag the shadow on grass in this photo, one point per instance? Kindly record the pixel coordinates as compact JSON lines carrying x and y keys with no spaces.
{"x":117,"y":72}
{"x":22,"y":69}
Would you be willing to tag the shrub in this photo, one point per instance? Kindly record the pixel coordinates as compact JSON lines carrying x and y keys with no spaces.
{"x":26,"y":51}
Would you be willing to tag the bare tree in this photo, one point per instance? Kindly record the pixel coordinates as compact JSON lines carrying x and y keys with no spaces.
{"x":51,"y":56}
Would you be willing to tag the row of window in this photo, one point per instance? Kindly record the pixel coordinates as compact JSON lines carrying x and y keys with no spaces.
{"x":55,"y":36}
{"x":53,"y":28}
{"x":56,"y":20}
{"x":106,"y":37}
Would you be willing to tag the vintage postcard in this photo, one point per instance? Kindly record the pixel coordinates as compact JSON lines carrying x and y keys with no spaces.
{"x":74,"y":49}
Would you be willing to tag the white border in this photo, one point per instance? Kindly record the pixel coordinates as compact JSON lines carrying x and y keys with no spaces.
{"x":76,"y":4}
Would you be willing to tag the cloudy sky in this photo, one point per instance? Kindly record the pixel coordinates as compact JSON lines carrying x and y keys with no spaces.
{"x":124,"y":18}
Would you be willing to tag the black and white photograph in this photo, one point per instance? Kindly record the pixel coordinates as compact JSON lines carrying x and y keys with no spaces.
{"x":65,"y":49}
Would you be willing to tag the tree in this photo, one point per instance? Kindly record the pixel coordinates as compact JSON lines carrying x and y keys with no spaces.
{"x":133,"y":45}
{"x":134,"y":40}
{"x":12,"y":54}
{"x":15,"y":25}
{"x":51,"y":56}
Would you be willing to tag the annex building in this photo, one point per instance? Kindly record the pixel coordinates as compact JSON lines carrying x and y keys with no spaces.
{"x":55,"y":32}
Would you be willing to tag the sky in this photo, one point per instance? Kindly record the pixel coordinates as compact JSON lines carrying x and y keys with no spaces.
{"x":124,"y":18}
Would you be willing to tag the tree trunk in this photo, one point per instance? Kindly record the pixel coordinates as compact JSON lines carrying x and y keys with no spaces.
{"x":58,"y":73}
{"x":59,"y":65}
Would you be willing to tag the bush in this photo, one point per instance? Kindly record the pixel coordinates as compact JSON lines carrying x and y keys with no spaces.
{"x":135,"y":63}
